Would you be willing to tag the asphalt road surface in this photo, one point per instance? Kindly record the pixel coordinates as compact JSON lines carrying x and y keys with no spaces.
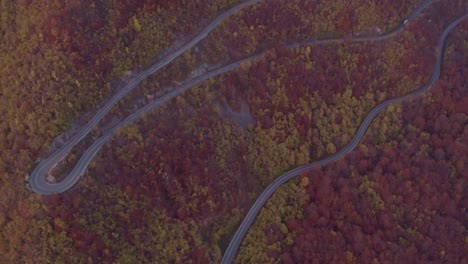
{"x":38,"y":182}
{"x":261,"y":200}
{"x":37,"y":179}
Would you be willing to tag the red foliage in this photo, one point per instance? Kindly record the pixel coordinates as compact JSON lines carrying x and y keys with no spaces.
{"x":421,"y":189}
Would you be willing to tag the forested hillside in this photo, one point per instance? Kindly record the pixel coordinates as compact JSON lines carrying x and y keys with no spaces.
{"x":399,"y":196}
{"x":174,"y":186}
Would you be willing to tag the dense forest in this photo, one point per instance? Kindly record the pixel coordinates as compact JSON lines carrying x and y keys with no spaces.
{"x":174,"y":186}
{"x":400,"y":195}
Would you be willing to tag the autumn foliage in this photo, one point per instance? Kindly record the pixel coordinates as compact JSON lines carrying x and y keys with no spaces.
{"x":173,"y":186}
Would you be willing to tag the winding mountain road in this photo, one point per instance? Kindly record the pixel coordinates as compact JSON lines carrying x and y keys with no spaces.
{"x":261,"y":200}
{"x":38,"y":181}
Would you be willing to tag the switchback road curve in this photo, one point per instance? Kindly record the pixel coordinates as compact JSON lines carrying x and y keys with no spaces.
{"x":261,"y":200}
{"x":41,"y":186}
{"x":38,"y":181}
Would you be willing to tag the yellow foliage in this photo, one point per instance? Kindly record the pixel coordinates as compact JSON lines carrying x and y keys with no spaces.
{"x":136,"y":24}
{"x":305,"y":181}
{"x":286,"y":203}
{"x":59,"y":223}
{"x":366,"y":189}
